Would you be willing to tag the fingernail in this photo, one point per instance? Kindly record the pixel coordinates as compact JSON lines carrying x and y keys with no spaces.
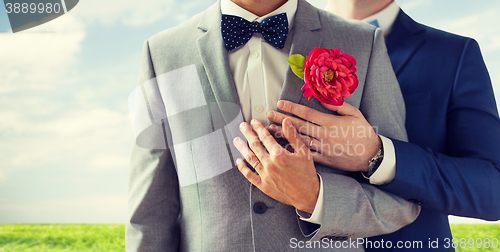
{"x":270,"y":115}
{"x":238,"y":161}
{"x":289,"y":123}
{"x":242,"y":125}
{"x":281,"y":104}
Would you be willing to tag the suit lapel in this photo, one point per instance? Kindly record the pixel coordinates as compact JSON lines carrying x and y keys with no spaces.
{"x":305,"y":38}
{"x":216,"y":63}
{"x":403,"y":40}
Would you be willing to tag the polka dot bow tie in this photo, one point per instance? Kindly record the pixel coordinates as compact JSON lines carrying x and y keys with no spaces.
{"x":236,"y":31}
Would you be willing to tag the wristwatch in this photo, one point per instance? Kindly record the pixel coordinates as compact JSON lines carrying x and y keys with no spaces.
{"x":374,"y":163}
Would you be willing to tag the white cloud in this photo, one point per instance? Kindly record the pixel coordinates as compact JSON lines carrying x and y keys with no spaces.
{"x":409,"y":5}
{"x":72,"y":123}
{"x":130,"y":13}
{"x":108,"y":162}
{"x":85,"y":96}
{"x":84,"y":209}
{"x":99,"y":122}
{"x":36,"y":56}
{"x":62,"y":119}
{"x":481,"y":26}
{"x":93,"y":140}
{"x":134,"y":13}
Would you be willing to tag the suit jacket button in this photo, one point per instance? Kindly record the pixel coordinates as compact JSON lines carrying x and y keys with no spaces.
{"x":259,"y":207}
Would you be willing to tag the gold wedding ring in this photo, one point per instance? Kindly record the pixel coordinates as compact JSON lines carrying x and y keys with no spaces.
{"x":256,"y":163}
{"x":310,"y":142}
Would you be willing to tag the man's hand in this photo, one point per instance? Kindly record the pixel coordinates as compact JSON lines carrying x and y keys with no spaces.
{"x":286,"y":176}
{"x":345,"y":141}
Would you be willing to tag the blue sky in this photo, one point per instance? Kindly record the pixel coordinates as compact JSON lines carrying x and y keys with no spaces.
{"x":65,"y":135}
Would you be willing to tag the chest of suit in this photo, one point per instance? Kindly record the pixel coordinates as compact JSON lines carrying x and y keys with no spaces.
{"x":426,"y":84}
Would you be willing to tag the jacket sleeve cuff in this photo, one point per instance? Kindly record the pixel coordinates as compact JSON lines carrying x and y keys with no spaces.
{"x":387,"y":169}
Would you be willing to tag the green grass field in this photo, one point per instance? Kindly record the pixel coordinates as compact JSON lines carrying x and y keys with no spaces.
{"x":476,"y":231}
{"x":62,"y":237}
{"x":110,"y":237}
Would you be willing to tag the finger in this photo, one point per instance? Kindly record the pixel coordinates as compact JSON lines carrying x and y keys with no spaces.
{"x":302,"y":126}
{"x":293,"y":136}
{"x":246,"y":152}
{"x":305,"y":112}
{"x":251,"y":176}
{"x":311,"y":142}
{"x":264,"y":136}
{"x":275,"y":130}
{"x":345,"y":110}
{"x":253,"y":141}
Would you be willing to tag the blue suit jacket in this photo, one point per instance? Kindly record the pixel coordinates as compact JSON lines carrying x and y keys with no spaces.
{"x":451,"y":165}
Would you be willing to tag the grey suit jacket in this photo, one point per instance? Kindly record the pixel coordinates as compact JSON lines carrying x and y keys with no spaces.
{"x":186,"y":193}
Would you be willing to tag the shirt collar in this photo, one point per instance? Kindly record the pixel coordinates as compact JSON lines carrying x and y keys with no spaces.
{"x":229,"y":8}
{"x":385,"y":17}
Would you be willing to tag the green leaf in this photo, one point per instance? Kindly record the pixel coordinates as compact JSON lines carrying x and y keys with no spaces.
{"x":296,"y":62}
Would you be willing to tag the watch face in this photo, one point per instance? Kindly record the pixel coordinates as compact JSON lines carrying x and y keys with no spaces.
{"x":375,"y":162}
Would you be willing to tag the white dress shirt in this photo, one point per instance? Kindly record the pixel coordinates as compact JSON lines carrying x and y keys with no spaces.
{"x":385,"y":18}
{"x":259,"y":68}
{"x":259,"y":71}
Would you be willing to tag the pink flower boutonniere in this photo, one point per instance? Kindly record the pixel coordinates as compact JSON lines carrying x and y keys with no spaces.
{"x":328,"y":74}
